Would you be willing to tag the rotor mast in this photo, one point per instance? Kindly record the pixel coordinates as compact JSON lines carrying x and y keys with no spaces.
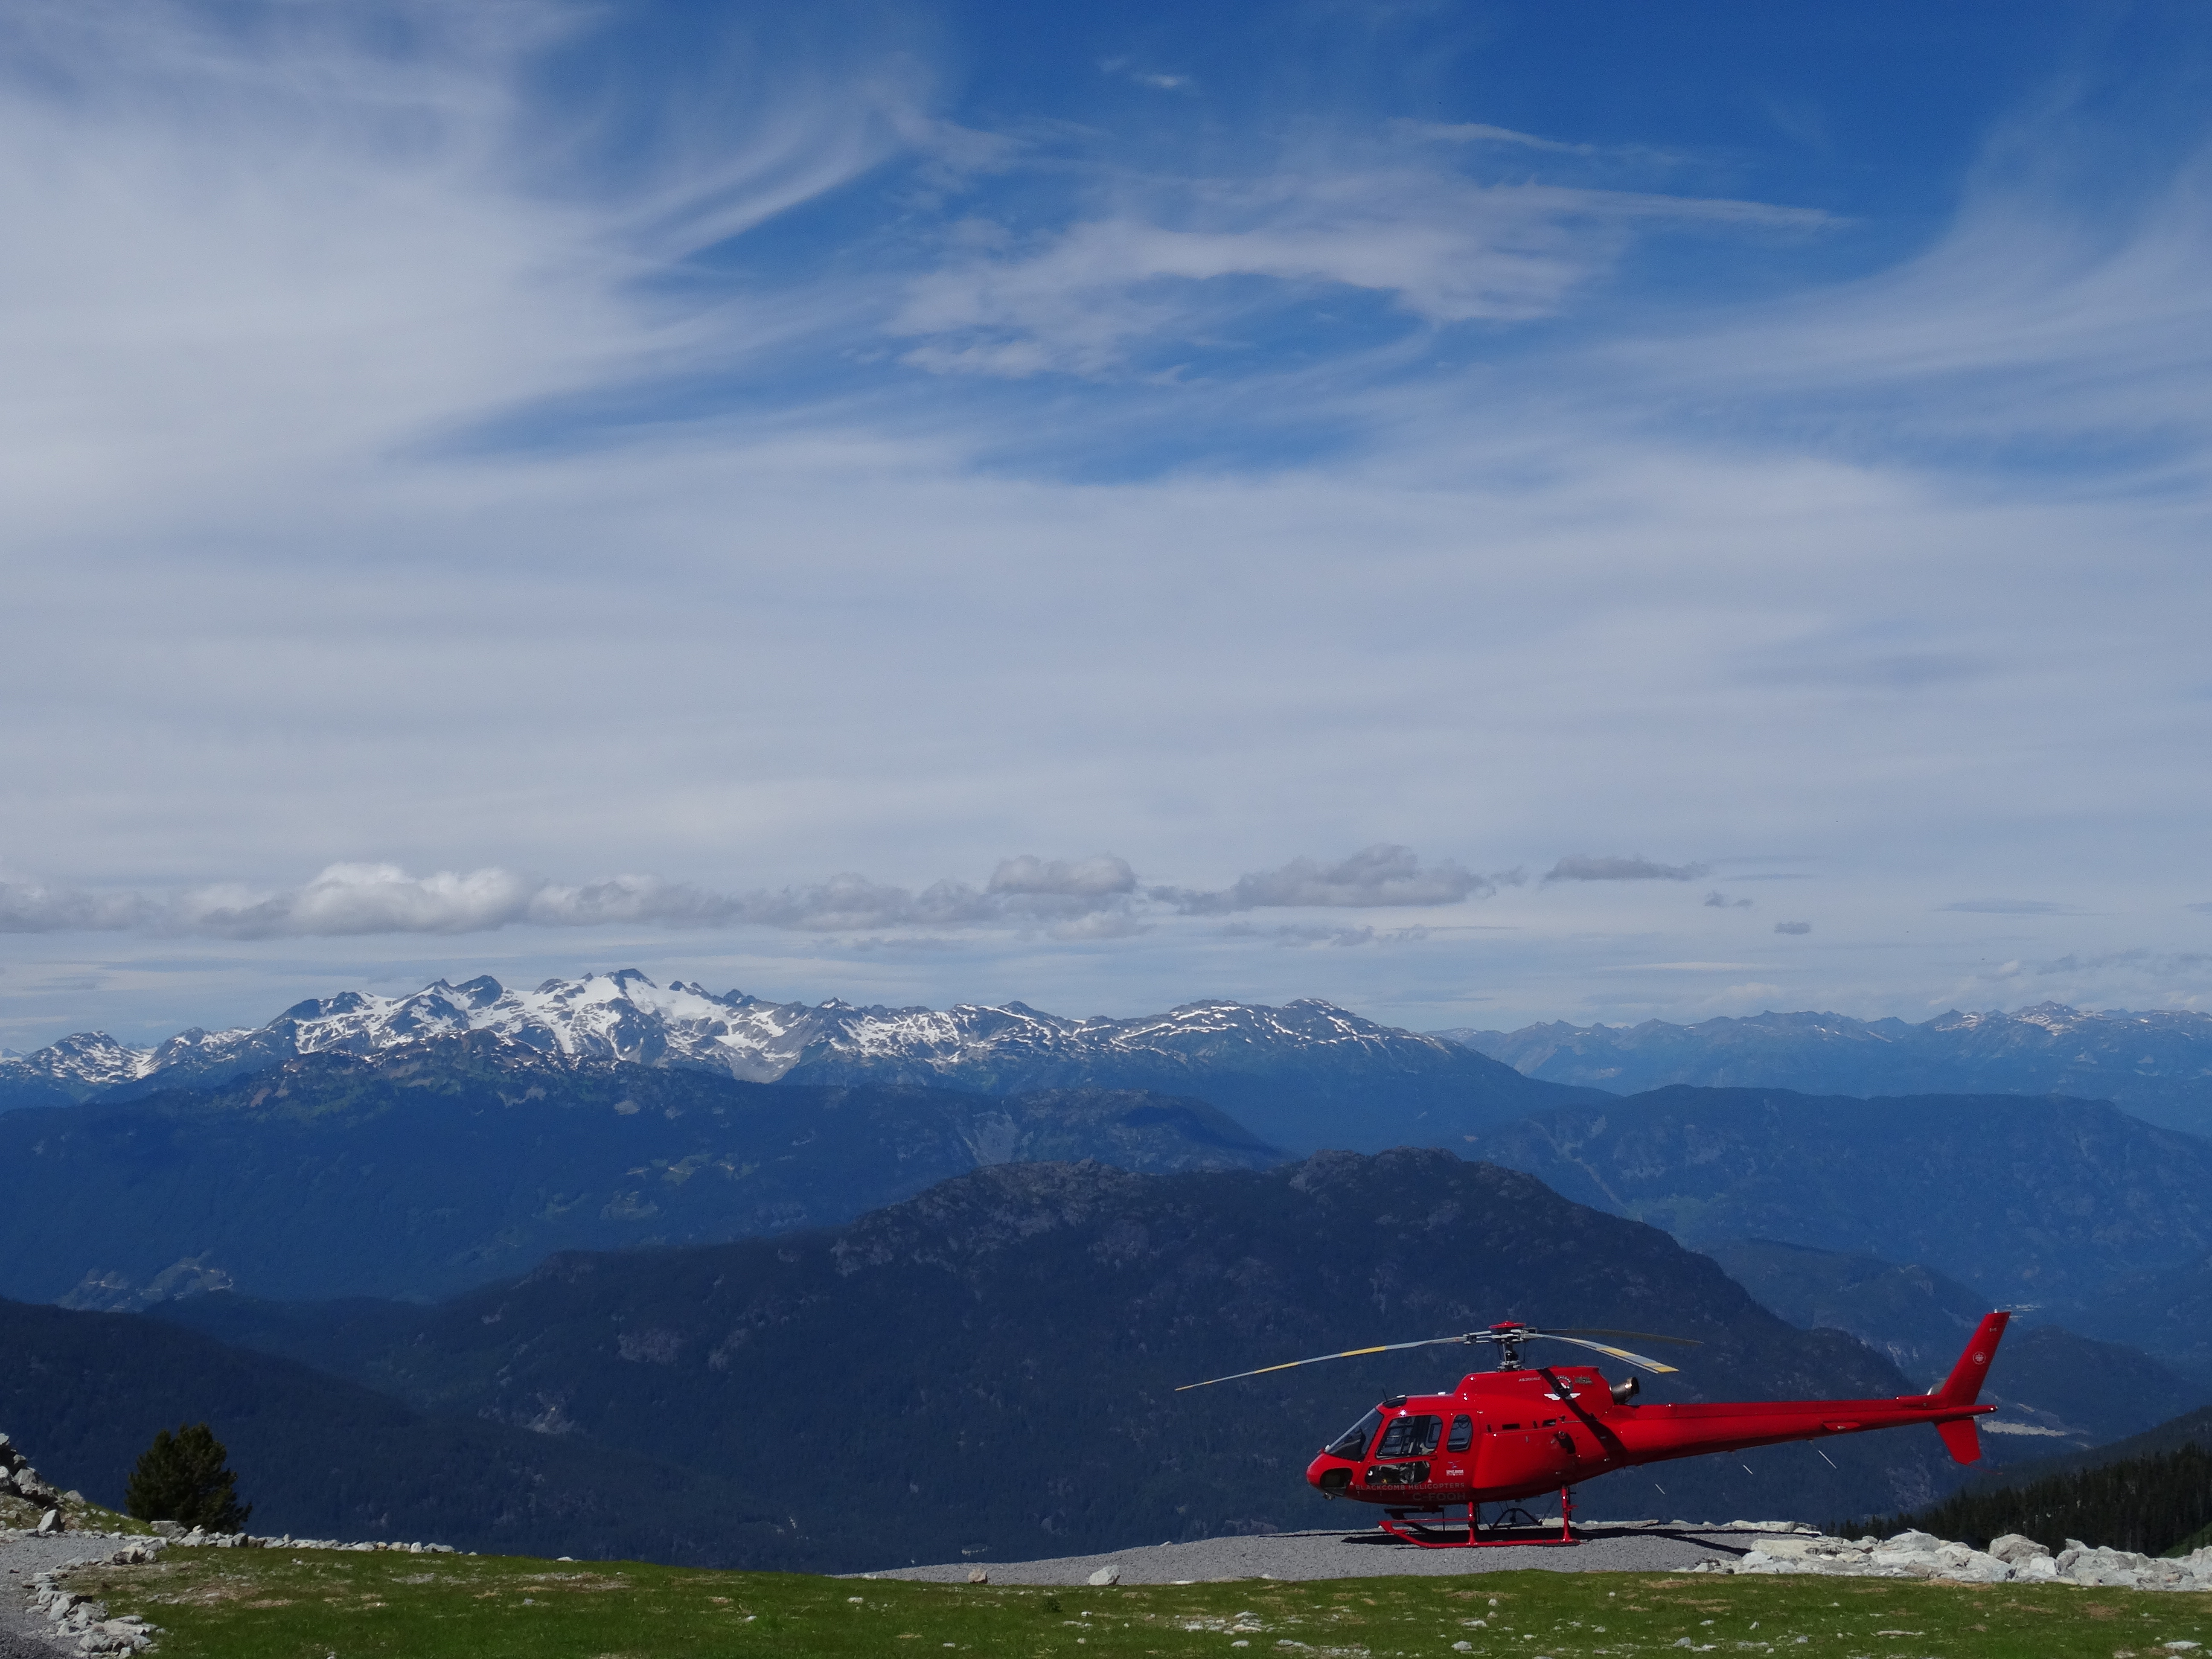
{"x":1509,"y":1338}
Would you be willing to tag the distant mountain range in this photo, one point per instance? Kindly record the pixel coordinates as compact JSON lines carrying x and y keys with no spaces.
{"x":2158,"y":1066}
{"x":990,"y":1369}
{"x":2044,"y":1201}
{"x":1303,"y":1076}
{"x":449,"y":1159}
{"x":2165,"y":1310}
{"x":2058,"y":1392}
{"x":423,"y":1168}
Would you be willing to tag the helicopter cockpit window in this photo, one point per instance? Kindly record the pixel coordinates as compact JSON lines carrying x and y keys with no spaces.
{"x":1463,"y":1434}
{"x":1352,"y":1442}
{"x":1410,"y":1437}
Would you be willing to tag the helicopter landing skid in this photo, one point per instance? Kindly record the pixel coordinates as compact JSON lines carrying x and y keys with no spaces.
{"x":1398,"y":1523}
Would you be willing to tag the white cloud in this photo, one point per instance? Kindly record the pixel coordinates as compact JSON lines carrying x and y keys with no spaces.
{"x":1477,"y":132}
{"x":1095,"y":298}
{"x":280,"y":239}
{"x":393,"y":476}
{"x":2045,"y":312}
{"x":361,"y":899}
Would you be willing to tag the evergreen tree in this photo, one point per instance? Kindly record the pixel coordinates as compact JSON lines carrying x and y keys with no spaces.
{"x":2157,"y":1504}
{"x":181,"y":1478}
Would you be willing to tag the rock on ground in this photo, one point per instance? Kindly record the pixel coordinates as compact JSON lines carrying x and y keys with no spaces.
{"x":1740,"y":1546}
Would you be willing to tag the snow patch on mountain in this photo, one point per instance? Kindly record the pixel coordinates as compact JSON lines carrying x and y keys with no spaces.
{"x":627,"y":1016}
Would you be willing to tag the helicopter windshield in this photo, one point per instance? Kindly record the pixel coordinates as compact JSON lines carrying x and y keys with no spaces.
{"x":1352,"y":1442}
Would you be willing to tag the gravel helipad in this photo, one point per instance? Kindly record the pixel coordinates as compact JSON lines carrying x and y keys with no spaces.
{"x":22,"y":1632}
{"x":1607,"y":1547}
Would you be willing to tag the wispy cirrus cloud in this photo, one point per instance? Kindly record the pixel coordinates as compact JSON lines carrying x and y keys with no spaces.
{"x":473,"y":400}
{"x":274,"y":237}
{"x":1479,"y":132}
{"x":1113,"y":291}
{"x":2047,"y":311}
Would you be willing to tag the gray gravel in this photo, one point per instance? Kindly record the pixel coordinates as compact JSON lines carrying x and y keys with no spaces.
{"x":22,"y":1632}
{"x":1608,"y":1546}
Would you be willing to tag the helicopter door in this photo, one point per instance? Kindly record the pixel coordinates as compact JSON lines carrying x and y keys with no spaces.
{"x":1407,"y":1439}
{"x":1410,"y":1437}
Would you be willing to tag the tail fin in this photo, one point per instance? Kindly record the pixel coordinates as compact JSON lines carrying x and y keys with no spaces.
{"x":1964,"y":1385}
{"x":1960,"y":1440}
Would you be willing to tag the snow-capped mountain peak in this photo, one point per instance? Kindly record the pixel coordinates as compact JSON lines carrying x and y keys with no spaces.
{"x":626,"y":1016}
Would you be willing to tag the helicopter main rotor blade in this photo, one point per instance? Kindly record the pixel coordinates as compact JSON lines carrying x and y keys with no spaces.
{"x":1633,"y":1336}
{"x":1349,"y":1353}
{"x":1651,"y":1365}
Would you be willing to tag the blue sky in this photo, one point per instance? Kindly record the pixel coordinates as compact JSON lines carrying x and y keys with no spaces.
{"x":1481,"y":513}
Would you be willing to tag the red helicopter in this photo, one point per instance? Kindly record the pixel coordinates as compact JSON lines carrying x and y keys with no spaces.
{"x":1522,"y":1430}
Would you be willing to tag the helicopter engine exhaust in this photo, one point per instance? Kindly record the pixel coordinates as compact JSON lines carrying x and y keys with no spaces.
{"x":1625,"y":1390}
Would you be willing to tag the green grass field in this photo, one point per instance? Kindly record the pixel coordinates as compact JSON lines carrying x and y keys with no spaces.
{"x":286,"y":1604}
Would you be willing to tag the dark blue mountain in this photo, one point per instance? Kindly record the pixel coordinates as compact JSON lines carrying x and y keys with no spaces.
{"x":2156,"y":1064}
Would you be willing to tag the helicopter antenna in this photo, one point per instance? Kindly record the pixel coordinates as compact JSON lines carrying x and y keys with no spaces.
{"x":1506,"y":1337}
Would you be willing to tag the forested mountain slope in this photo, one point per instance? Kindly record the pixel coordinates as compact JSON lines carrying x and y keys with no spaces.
{"x":991,"y":1367}
{"x":2038,"y":1201}
{"x":425,"y":1169}
{"x":317,"y":1457}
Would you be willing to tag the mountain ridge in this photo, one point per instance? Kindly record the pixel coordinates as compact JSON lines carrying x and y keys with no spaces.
{"x":2156,"y":1063}
{"x":993,"y":1365}
{"x":1296,"y":1075}
{"x":425,"y":1169}
{"x":2045,"y":1200}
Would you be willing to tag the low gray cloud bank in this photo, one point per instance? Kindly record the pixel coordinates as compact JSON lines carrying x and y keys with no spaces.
{"x":1095,"y":898}
{"x":1582,"y":868}
{"x":28,"y":907}
{"x":1382,"y":874}
{"x":383,"y":898}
